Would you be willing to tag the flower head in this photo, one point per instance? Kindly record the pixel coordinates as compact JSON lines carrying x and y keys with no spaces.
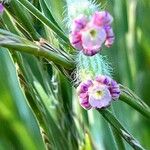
{"x":1,"y":8}
{"x":98,"y":93}
{"x":88,"y":35}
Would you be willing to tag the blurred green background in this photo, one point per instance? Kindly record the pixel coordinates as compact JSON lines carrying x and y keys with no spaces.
{"x":38,"y":106}
{"x":130,"y":58}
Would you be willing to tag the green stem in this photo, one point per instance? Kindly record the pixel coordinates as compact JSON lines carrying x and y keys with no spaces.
{"x":118,"y":139}
{"x":39,"y":51}
{"x":14,"y":42}
{"x":43,"y":19}
{"x":120,"y":129}
{"x":134,"y":101}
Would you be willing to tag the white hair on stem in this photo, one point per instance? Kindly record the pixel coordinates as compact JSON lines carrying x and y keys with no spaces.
{"x":78,"y":7}
{"x":89,"y":67}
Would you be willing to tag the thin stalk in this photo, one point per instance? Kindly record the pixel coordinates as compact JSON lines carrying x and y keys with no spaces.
{"x":134,"y":101}
{"x":43,"y":19}
{"x":120,"y":129}
{"x":41,"y":52}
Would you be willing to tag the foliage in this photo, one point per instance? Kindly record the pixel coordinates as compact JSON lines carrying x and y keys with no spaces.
{"x":38,"y":104}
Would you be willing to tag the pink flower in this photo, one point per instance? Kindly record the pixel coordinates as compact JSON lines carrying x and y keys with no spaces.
{"x":98,"y":93}
{"x":1,"y":8}
{"x":89,"y":35}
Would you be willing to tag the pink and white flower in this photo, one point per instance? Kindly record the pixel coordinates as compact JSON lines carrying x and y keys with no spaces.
{"x":89,"y":35}
{"x":98,"y":93}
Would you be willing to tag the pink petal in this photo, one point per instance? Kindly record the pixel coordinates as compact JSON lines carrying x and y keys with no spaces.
{"x":86,"y":106}
{"x":1,"y":8}
{"x":78,"y":24}
{"x":104,"y":79}
{"x":115,"y":92}
{"x":84,"y":100}
{"x":83,"y":95}
{"x":91,"y":51}
{"x":102,"y":18}
{"x":75,"y":40}
{"x":110,"y":36}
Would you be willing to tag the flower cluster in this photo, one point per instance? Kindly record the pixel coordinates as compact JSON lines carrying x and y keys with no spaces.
{"x":1,"y":8}
{"x":98,"y":93}
{"x":90,"y":30}
{"x":88,"y":34}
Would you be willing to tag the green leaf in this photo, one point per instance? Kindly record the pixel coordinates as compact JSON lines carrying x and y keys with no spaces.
{"x":15,"y":112}
{"x":134,"y":101}
{"x":15,"y":42}
{"x":43,"y":19}
{"x":55,"y":133}
{"x":57,"y":8}
{"x":65,"y":95}
{"x":23,"y":18}
{"x":120,"y":129}
{"x":47,"y":12}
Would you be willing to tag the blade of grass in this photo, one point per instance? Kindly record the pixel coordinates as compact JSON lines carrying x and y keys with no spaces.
{"x":34,"y":49}
{"x":43,"y":19}
{"x":14,"y":107}
{"x":65,"y":94}
{"x":118,"y":139}
{"x":120,"y":129}
{"x":134,"y":101}
{"x":56,"y":132}
{"x":48,"y":13}
{"x":57,"y":9}
{"x":41,"y":53}
{"x":23,"y":18}
{"x":9,"y":23}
